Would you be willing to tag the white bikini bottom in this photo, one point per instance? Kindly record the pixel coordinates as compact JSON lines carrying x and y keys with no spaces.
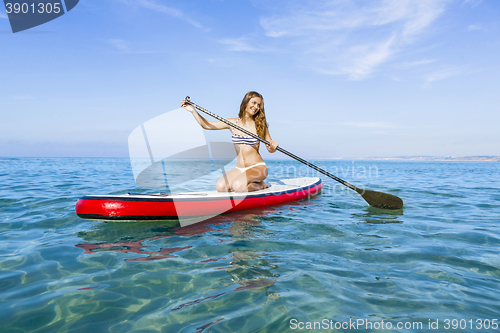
{"x":245,"y":169}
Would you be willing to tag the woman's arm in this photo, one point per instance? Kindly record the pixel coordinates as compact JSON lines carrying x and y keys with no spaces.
{"x":273,"y":144}
{"x":208,"y":125}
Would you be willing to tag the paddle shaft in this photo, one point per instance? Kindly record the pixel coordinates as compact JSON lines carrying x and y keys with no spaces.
{"x":326,"y":173}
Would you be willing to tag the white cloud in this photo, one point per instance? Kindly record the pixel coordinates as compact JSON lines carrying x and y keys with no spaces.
{"x":153,"y":5}
{"x":121,"y":45}
{"x":474,"y":27}
{"x":418,"y":63}
{"x":441,"y":75}
{"x":125,"y":46}
{"x":328,"y":15}
{"x":4,"y":16}
{"x":241,"y":44}
{"x":360,"y":60}
{"x":473,"y":3}
{"x":351,"y":38}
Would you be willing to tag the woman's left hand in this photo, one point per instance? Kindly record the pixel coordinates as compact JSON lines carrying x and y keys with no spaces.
{"x":271,"y":147}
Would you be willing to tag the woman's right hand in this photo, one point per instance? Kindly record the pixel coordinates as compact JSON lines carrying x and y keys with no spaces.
{"x":187,"y":106}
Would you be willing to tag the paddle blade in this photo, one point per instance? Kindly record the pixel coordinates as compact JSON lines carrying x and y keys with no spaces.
{"x":380,"y":199}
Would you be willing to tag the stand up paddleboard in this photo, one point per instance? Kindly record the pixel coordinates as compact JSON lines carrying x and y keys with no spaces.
{"x":134,"y":207}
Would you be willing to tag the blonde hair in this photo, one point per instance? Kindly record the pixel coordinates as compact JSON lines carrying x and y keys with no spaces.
{"x":260,"y":117}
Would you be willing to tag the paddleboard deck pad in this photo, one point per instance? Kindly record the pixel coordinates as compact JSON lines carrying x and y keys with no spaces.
{"x":136,"y":207}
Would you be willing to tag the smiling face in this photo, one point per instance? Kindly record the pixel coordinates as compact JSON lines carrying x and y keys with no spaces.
{"x":253,"y":106}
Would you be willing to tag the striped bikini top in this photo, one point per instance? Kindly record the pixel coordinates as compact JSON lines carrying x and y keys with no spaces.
{"x":243,"y":140}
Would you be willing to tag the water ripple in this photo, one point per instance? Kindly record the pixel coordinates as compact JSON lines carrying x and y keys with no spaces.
{"x":332,"y":257}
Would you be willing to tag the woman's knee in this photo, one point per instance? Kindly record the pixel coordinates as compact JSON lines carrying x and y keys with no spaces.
{"x":239,"y":186}
{"x":222,"y":186}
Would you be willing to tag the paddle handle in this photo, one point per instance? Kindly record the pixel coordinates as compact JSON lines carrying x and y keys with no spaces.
{"x":326,"y":173}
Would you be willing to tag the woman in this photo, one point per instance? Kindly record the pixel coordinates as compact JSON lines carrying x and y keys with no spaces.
{"x":250,"y":170}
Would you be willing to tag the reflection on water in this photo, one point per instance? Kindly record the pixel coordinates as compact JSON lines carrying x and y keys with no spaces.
{"x":130,"y":237}
{"x":247,"y":270}
{"x":379,"y":216}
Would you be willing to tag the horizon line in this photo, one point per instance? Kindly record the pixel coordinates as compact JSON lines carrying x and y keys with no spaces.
{"x":401,"y":158}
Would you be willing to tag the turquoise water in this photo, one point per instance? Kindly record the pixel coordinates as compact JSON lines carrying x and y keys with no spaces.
{"x":331,"y":261}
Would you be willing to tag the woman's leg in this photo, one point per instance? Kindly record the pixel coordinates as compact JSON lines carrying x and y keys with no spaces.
{"x":251,"y":180}
{"x":225,"y":182}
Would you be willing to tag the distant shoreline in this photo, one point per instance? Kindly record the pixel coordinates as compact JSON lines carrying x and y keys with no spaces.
{"x":425,"y":158}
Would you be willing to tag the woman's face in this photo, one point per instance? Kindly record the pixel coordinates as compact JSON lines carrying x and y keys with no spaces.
{"x":253,"y":106}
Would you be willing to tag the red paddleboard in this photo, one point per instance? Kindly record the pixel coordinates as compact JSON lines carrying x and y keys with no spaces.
{"x":136,"y":207}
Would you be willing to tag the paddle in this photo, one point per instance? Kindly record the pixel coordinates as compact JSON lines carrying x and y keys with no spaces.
{"x":373,"y":198}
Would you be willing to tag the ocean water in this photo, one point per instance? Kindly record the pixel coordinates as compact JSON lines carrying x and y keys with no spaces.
{"x":331,"y":263}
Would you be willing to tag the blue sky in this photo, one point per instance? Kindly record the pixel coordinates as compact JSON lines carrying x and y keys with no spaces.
{"x":340,"y":78}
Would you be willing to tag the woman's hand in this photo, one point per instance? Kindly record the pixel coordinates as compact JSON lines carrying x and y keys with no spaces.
{"x":187,"y":106}
{"x":271,"y":147}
